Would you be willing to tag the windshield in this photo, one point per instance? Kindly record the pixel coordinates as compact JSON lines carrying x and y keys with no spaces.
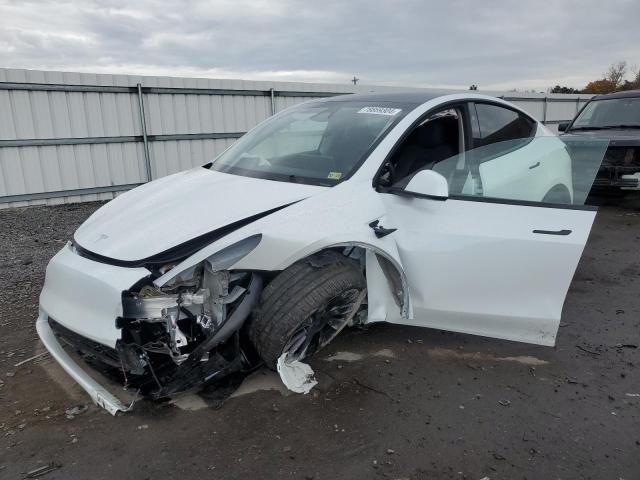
{"x":612,"y":113}
{"x":318,"y":143}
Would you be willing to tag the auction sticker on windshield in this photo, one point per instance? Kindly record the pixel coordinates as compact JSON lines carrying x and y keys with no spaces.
{"x":380,"y":110}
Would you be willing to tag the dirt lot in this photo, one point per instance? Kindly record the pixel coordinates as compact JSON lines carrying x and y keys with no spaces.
{"x":392,"y":402}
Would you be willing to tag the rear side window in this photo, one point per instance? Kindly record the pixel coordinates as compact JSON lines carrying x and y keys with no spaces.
{"x":499,"y":124}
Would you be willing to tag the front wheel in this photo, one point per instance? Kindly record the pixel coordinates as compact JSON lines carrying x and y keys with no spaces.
{"x":305,"y":307}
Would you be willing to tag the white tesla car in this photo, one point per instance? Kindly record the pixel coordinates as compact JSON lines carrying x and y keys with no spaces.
{"x":457,"y":212}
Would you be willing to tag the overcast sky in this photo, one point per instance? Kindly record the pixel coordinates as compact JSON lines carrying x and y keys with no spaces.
{"x":507,"y":44}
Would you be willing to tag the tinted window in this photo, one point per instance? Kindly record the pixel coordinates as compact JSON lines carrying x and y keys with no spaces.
{"x":498,"y":124}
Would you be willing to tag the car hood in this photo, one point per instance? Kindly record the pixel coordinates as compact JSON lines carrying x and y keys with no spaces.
{"x":617,"y":137}
{"x":168,"y":212}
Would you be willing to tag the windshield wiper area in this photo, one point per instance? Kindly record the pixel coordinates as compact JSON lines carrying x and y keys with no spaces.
{"x":606,"y":127}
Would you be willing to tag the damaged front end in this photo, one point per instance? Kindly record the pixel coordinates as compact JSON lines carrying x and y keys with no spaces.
{"x":167,"y":327}
{"x":185,"y":333}
{"x":154,"y":326}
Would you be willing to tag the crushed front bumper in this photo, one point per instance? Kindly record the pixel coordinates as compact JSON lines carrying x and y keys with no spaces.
{"x":96,"y":391}
{"x":82,"y":308}
{"x":84,"y":297}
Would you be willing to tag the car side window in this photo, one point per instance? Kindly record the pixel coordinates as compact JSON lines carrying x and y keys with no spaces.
{"x":435,"y":139}
{"x":499,"y":124}
{"x":487,"y":152}
{"x":500,"y":164}
{"x":546,"y":170}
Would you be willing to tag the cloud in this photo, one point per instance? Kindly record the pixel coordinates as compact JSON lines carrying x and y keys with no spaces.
{"x":501,"y":45}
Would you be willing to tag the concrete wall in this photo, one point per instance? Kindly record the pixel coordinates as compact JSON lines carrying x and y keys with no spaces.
{"x":69,"y":137}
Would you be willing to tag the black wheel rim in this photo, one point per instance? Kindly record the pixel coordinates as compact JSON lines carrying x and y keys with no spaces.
{"x":322,"y":326}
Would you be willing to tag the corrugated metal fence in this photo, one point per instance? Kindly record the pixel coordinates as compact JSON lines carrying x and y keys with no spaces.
{"x":68,"y":137}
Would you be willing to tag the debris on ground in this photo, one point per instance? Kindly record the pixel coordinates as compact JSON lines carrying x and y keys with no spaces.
{"x":41,"y":471}
{"x":35,"y":357}
{"x":73,"y":412}
{"x":296,"y":376}
{"x":504,"y":402}
{"x":586,"y":350}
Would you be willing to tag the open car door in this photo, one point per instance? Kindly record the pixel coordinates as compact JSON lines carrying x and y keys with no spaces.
{"x":496,"y":257}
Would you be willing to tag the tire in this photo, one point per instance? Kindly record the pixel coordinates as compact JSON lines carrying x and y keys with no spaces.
{"x":298,"y":298}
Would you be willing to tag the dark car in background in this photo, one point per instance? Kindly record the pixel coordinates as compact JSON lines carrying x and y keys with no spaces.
{"x":616,"y":117}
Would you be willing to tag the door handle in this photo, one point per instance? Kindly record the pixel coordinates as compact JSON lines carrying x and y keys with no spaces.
{"x":553,"y":232}
{"x":535,"y":165}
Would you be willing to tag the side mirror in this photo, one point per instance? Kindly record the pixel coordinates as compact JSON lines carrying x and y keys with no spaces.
{"x":562,"y":127}
{"x":428,"y":184}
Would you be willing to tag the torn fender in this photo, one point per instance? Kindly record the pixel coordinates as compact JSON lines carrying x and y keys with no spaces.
{"x":316,"y":224}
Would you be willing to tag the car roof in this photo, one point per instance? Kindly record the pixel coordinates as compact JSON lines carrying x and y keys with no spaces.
{"x":409,"y":96}
{"x":625,"y":94}
{"x":413,"y":98}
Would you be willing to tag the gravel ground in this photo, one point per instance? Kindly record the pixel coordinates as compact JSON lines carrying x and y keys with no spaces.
{"x":392,"y":402}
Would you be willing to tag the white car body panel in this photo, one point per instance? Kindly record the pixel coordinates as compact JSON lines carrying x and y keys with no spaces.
{"x":172,"y":210}
{"x":307,"y":227}
{"x":465,"y":262}
{"x":86,"y":296}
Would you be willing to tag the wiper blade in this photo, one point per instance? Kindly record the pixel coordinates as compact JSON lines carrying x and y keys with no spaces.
{"x":606,"y":127}
{"x":614,"y":127}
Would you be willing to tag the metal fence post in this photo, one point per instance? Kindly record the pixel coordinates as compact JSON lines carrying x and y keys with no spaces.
{"x":544,"y":111}
{"x":577,"y":105}
{"x":273,"y":101}
{"x":143,"y":127}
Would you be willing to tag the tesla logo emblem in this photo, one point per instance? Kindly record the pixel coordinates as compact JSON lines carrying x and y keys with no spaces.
{"x":102,"y":236}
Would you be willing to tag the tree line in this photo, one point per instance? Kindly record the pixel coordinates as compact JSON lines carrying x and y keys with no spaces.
{"x":615,"y":79}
